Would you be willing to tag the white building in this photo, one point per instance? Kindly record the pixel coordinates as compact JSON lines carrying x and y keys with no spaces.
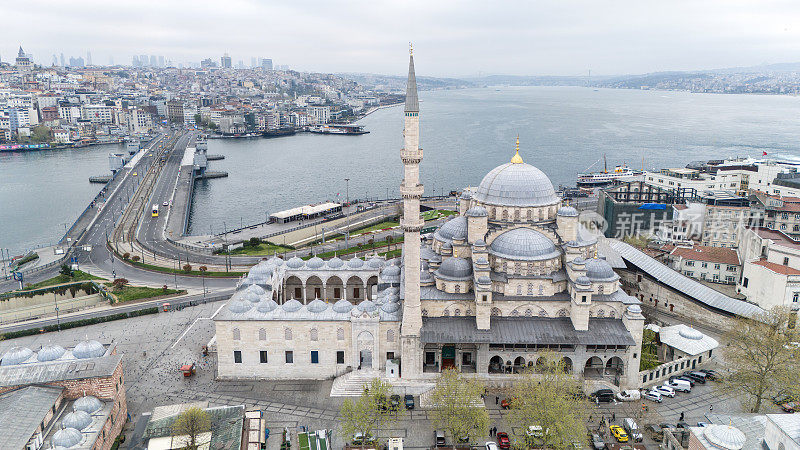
{"x":97,"y":113}
{"x":319,"y":114}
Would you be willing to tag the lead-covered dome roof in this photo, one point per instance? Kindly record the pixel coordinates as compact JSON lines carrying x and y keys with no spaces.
{"x":455,"y":228}
{"x":516,"y":184}
{"x":88,"y":349}
{"x":16,"y":355}
{"x":523,"y":244}
{"x":455,"y":268}
{"x":599,"y":270}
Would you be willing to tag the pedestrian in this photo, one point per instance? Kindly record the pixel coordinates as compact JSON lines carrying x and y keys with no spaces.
{"x":496,"y":400}
{"x":613,"y":416}
{"x":681,"y":419}
{"x":590,"y":418}
{"x":711,"y":408}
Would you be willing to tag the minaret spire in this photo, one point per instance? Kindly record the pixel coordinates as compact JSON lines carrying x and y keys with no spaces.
{"x":411,"y":190}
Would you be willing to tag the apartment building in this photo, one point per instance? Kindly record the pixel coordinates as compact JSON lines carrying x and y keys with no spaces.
{"x":714,"y":264}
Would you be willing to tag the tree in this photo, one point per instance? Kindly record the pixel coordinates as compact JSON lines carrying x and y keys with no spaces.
{"x":548,"y":397}
{"x":762,"y":356}
{"x":66,"y":271}
{"x":41,"y":133}
{"x":458,"y":406}
{"x":187,"y":267}
{"x":188,"y":427}
{"x":368,"y":413}
{"x":119,"y":283}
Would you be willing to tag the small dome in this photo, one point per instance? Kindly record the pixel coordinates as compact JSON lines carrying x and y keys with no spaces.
{"x":480,"y":243}
{"x":691,"y":333}
{"x":50,"y":353}
{"x":634,"y":309}
{"x":254,"y":293}
{"x":317,"y":306}
{"x":466,"y":195}
{"x":315,"y":263}
{"x":292,"y":306}
{"x":455,"y":228}
{"x":262,"y":268}
{"x":437,"y":258}
{"x":483,"y":279}
{"x":523,"y":244}
{"x":88,"y":349}
{"x":335,"y":263}
{"x":599,"y":269}
{"x":425,"y":277}
{"x":355,"y":263}
{"x":88,"y":404}
{"x":392,"y":271}
{"x":342,"y":306}
{"x":573,"y":244}
{"x":239,"y":306}
{"x":16,"y":355}
{"x":266,"y":306}
{"x":447,"y":246}
{"x":376,"y":263}
{"x":579,"y":260}
{"x":367,"y":306}
{"x":516,"y":184}
{"x":455,"y":268}
{"x":77,"y":419}
{"x":482,"y":261}
{"x":392,"y":298}
{"x":66,"y":437}
{"x":726,"y":437}
{"x":477,"y":211}
{"x":393,"y":290}
{"x":295,"y":263}
{"x":275,"y":261}
{"x":390,"y":307}
{"x":583,"y":281}
{"x":567,"y":211}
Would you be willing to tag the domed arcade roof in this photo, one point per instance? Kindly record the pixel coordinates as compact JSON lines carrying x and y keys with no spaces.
{"x":523,"y":244}
{"x":88,"y":349}
{"x":16,"y":355}
{"x":87,"y":403}
{"x":50,"y":353}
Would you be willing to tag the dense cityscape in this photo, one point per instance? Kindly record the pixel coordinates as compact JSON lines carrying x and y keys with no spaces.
{"x":628,"y":309}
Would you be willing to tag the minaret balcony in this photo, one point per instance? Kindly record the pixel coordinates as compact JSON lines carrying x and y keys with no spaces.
{"x":412,"y":225}
{"x":415,"y":191}
{"x":411,"y":156}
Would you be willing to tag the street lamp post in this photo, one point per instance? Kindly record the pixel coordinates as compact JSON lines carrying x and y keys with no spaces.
{"x":347,"y":225}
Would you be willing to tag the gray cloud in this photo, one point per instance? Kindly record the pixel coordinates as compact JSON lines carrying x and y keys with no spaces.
{"x":453,"y":38}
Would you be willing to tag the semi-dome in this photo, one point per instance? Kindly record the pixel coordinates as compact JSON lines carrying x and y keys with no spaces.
{"x":726,"y":437}
{"x":516,"y":184}
{"x":266,"y":306}
{"x":599,"y":269}
{"x":355,"y":263}
{"x":317,"y":306}
{"x":524,"y":244}
{"x":295,"y":263}
{"x":88,"y":404}
{"x":376,"y":263}
{"x":66,"y":437}
{"x":238,"y":306}
{"x":455,"y":269}
{"x":367,"y":306}
{"x":455,"y":228}
{"x":315,"y":263}
{"x":50,"y":353}
{"x":567,"y":211}
{"x":335,"y":263}
{"x":292,"y":306}
{"x":88,"y":349}
{"x":16,"y":355}
{"x":77,"y":419}
{"x":342,"y":306}
{"x":476,"y":211}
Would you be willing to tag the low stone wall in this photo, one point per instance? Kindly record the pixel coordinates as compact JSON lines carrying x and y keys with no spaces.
{"x":662,"y":373}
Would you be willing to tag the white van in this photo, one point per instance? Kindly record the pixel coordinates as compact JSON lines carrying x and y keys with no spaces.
{"x":633,"y":430}
{"x":679,"y":385}
{"x":629,"y":396}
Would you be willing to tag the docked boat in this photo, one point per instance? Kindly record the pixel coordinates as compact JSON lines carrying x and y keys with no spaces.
{"x":621,"y":173}
{"x":278,"y":132}
{"x":338,"y":129}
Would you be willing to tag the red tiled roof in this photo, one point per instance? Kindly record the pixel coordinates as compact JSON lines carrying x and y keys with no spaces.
{"x":778,"y":237}
{"x":722,"y":255}
{"x":777,"y":268}
{"x":680,"y":207}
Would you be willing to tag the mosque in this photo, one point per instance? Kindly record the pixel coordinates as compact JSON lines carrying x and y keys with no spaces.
{"x":512,"y":276}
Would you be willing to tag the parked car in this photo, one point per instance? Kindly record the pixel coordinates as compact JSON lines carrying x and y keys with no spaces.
{"x":165,"y":204}
{"x":503,"y":441}
{"x":695,"y":376}
{"x":618,"y":433}
{"x":665,"y":391}
{"x":535,"y":431}
{"x":630,"y":395}
{"x":439,"y":436}
{"x":653,"y":395}
{"x":679,"y":377}
{"x":597,"y":442}
{"x":359,"y":438}
{"x":632,"y":429}
{"x":505,"y":403}
{"x":710,"y":374}
{"x":491,"y":446}
{"x":679,"y":385}
{"x":603,"y":395}
{"x":409,"y":399}
{"x":791,"y":407}
{"x":394,"y":402}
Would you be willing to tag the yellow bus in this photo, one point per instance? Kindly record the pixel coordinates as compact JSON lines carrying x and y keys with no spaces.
{"x":155,"y":210}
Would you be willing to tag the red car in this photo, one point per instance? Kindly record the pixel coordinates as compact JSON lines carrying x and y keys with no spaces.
{"x":502,"y":441}
{"x":505,"y":403}
{"x":791,"y":407}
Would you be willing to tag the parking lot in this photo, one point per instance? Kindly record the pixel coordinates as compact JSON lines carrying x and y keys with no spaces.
{"x":156,"y":346}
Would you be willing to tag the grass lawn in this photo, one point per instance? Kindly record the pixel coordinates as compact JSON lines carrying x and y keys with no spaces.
{"x":183,"y":272}
{"x":130,"y":293}
{"x":376,"y":227}
{"x":437,"y":214}
{"x":262,"y":249}
{"x":377,"y":244}
{"x":77,"y":275}
{"x":392,"y":254}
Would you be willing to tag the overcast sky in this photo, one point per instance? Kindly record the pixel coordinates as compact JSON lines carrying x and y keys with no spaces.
{"x":451,"y":38}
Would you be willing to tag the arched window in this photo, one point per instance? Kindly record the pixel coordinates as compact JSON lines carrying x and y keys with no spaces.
{"x":563,"y":313}
{"x":516,"y":215}
{"x":390,"y":336}
{"x":514,"y":313}
{"x":528,"y":313}
{"x":505,"y":214}
{"x":601,"y":289}
{"x":505,"y":266}
{"x":530,"y":214}
{"x":601,"y":313}
{"x":445,"y":313}
{"x":237,"y":335}
{"x":612,"y":314}
{"x":287,"y":334}
{"x":314,"y":334}
{"x":530,"y":288}
{"x":262,"y":334}
{"x":519,"y":289}
{"x":542,"y":313}
{"x":340,"y":334}
{"x":457,"y":312}
{"x":496,"y":312}
{"x":458,"y":288}
{"x":424,"y":313}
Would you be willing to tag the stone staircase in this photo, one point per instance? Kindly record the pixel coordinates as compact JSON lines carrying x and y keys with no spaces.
{"x":352,"y":383}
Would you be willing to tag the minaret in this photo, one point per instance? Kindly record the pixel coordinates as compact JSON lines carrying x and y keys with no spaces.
{"x":411,"y":190}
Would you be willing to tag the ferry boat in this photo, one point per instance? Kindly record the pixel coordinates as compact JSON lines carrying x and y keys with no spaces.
{"x":338,"y":129}
{"x":620,"y":173}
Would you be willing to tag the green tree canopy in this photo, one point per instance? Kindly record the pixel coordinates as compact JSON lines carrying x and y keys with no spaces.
{"x":368,"y":413}
{"x":188,"y":427}
{"x":458,"y":406}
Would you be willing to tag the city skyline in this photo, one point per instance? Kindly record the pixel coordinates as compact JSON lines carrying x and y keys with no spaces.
{"x":566,"y":39}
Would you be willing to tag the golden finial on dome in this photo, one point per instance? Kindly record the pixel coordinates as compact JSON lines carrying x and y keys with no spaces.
{"x":517,"y":159}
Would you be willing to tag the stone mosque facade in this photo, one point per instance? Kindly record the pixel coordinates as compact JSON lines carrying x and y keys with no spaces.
{"x":512,"y":276}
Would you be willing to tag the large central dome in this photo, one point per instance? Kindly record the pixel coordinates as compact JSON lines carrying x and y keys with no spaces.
{"x":516,"y":184}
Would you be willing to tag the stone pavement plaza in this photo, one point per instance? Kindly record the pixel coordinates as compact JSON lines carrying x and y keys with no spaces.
{"x":156,"y":345}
